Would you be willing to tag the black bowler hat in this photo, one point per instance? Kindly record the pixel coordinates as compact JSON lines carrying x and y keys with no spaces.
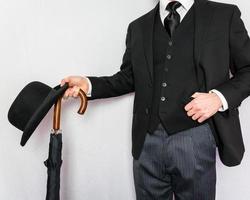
{"x":31,"y":105}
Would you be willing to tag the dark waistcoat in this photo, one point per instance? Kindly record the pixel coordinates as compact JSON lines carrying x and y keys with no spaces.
{"x":174,"y":75}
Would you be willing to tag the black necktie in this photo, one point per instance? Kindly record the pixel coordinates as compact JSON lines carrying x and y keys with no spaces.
{"x":173,"y":18}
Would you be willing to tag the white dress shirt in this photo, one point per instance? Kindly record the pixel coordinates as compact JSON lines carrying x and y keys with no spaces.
{"x":182,"y":10}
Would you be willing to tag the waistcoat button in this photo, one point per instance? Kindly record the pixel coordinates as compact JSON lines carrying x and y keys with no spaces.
{"x":169,"y":56}
{"x":163,"y":98}
{"x":164,"y":84}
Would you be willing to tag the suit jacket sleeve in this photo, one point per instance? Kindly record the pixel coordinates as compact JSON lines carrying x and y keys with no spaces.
{"x":237,"y":88}
{"x":117,"y":84}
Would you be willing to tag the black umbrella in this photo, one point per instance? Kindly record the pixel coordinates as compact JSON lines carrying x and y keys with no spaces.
{"x":54,"y":161}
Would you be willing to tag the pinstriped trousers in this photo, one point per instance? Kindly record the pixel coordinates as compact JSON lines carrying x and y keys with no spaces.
{"x":179,"y":166}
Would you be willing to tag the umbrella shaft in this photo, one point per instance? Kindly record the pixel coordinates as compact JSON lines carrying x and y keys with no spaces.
{"x":57,"y":115}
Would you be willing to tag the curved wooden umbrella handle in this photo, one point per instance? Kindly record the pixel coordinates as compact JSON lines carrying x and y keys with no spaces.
{"x":57,"y":109}
{"x":84,"y":102}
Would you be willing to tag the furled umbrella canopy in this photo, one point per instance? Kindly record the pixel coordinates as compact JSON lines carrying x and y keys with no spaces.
{"x":53,"y":163}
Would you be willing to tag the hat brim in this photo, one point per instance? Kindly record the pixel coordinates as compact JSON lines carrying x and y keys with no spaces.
{"x":41,"y":111}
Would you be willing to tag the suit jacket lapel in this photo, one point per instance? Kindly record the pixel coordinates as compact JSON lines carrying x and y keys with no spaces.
{"x":147,"y":31}
{"x":203,"y":15}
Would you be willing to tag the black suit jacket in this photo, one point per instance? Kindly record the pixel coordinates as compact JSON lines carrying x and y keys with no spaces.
{"x":222,"y":58}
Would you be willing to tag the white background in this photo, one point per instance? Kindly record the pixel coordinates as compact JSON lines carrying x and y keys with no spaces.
{"x":46,"y":40}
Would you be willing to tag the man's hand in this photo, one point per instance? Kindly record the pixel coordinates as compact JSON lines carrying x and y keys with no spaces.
{"x":203,"y":106}
{"x":75,"y":83}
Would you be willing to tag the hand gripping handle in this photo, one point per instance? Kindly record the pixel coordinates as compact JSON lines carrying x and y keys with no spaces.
{"x":57,"y":109}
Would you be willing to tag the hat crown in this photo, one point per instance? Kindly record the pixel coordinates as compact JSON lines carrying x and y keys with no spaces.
{"x":26,"y":103}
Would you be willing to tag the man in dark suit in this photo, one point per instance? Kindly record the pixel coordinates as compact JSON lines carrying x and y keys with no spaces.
{"x":188,"y":63}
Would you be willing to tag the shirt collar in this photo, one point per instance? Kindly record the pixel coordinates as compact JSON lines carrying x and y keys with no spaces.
{"x":186,"y":4}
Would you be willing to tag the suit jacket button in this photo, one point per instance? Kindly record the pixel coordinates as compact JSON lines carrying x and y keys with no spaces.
{"x":146,"y":110}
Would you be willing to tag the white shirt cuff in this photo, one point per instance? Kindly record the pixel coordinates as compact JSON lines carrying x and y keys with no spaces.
{"x":222,"y":98}
{"x":90,"y":87}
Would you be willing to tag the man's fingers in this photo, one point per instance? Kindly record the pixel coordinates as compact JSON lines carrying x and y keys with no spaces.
{"x":68,"y":93}
{"x":201,"y":119}
{"x":74,"y":83}
{"x":69,"y":80}
{"x":71,"y":92}
{"x":63,"y":81}
{"x":75,"y":91}
{"x":65,"y":95}
{"x":196,"y":94}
